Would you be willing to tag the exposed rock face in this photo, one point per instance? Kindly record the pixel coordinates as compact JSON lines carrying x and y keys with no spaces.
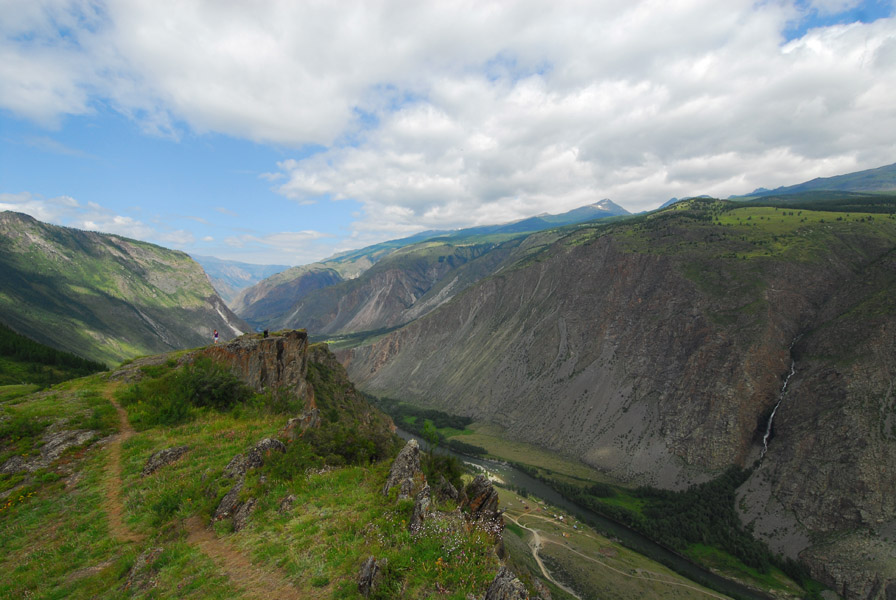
{"x":241,"y":517}
{"x":446,"y":491}
{"x":422,"y":505}
{"x":163,"y":457}
{"x":482,"y":501}
{"x":278,"y":362}
{"x":295,"y":427}
{"x":371,"y":575}
{"x":405,"y":473}
{"x":506,"y":586}
{"x":396,"y":290}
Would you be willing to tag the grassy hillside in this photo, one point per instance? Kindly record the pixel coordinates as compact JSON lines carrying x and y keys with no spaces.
{"x":130,"y":534}
{"x":102,"y":296}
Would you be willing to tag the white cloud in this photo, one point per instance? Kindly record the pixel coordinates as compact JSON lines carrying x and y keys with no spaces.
{"x":452,"y":114}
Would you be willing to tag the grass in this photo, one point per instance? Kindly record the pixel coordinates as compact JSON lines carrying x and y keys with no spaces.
{"x":489,"y":436}
{"x":58,"y":542}
{"x":732,"y":567}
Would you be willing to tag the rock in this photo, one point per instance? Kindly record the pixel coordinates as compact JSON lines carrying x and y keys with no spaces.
{"x":286,"y":504}
{"x":295,"y":427}
{"x":229,"y":503}
{"x":278,"y":362}
{"x":544,"y":593}
{"x":241,"y":463}
{"x":406,"y":471}
{"x":241,"y":517}
{"x":263,"y":449}
{"x":141,"y":575}
{"x":14,"y":465}
{"x":482,"y":499}
{"x":446,"y":491}
{"x":371,"y":575}
{"x":163,"y":457}
{"x":422,"y":505}
{"x":505,"y":586}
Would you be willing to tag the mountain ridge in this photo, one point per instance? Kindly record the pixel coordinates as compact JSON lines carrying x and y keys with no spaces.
{"x":103,"y":296}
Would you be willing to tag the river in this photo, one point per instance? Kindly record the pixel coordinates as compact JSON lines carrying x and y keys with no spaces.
{"x":628,"y":537}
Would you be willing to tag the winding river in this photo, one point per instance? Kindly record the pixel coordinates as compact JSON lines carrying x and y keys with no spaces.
{"x":630,"y":538}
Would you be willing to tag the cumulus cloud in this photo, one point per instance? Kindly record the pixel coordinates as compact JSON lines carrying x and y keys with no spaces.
{"x":455,"y":114}
{"x":68,"y":212}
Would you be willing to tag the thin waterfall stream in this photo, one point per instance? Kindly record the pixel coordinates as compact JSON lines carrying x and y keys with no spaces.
{"x":781,"y":395}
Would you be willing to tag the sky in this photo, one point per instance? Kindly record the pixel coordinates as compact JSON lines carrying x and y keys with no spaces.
{"x":282,"y":132}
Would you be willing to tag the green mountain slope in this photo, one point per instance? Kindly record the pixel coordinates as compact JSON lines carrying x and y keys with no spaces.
{"x":102,"y":296}
{"x":881,"y":179}
{"x":24,"y":361}
{"x":656,"y":348}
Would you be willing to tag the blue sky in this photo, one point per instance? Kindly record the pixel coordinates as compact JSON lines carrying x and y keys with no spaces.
{"x":283,"y":132}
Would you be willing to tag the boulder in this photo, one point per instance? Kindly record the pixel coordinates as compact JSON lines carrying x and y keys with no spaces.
{"x":163,"y":457}
{"x":371,"y":575}
{"x":505,"y":586}
{"x":405,"y":472}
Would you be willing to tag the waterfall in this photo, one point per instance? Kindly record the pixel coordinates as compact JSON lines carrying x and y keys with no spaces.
{"x":771,"y":418}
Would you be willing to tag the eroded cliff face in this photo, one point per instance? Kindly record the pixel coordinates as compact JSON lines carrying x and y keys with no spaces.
{"x":398,"y":289}
{"x":268,"y":363}
{"x":661,"y":361}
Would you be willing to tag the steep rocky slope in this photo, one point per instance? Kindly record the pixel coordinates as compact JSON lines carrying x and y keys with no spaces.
{"x":399,"y":288}
{"x":656,"y":350}
{"x":404,"y":280}
{"x":264,"y":303}
{"x":102,"y":296}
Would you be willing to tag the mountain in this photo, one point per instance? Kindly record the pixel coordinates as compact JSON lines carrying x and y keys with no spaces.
{"x":657,"y":350}
{"x":230,"y":277}
{"x":388,"y":284}
{"x":104,"y":297}
{"x":881,"y":179}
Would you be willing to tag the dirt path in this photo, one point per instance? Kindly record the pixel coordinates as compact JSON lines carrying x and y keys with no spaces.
{"x":535,"y":546}
{"x":657,"y":577}
{"x":254,"y":581}
{"x":114,"y":503}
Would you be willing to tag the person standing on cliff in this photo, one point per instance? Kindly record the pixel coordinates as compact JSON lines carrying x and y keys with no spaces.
{"x":216,"y":336}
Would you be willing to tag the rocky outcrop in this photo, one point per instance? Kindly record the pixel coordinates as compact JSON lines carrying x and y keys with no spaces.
{"x":54,"y":444}
{"x":230,"y":505}
{"x":371,"y":575}
{"x":422,"y":506}
{"x":405,"y":474}
{"x":505,"y":586}
{"x":162,"y":458}
{"x":482,"y":503}
{"x":276,"y":363}
{"x":446,"y":491}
